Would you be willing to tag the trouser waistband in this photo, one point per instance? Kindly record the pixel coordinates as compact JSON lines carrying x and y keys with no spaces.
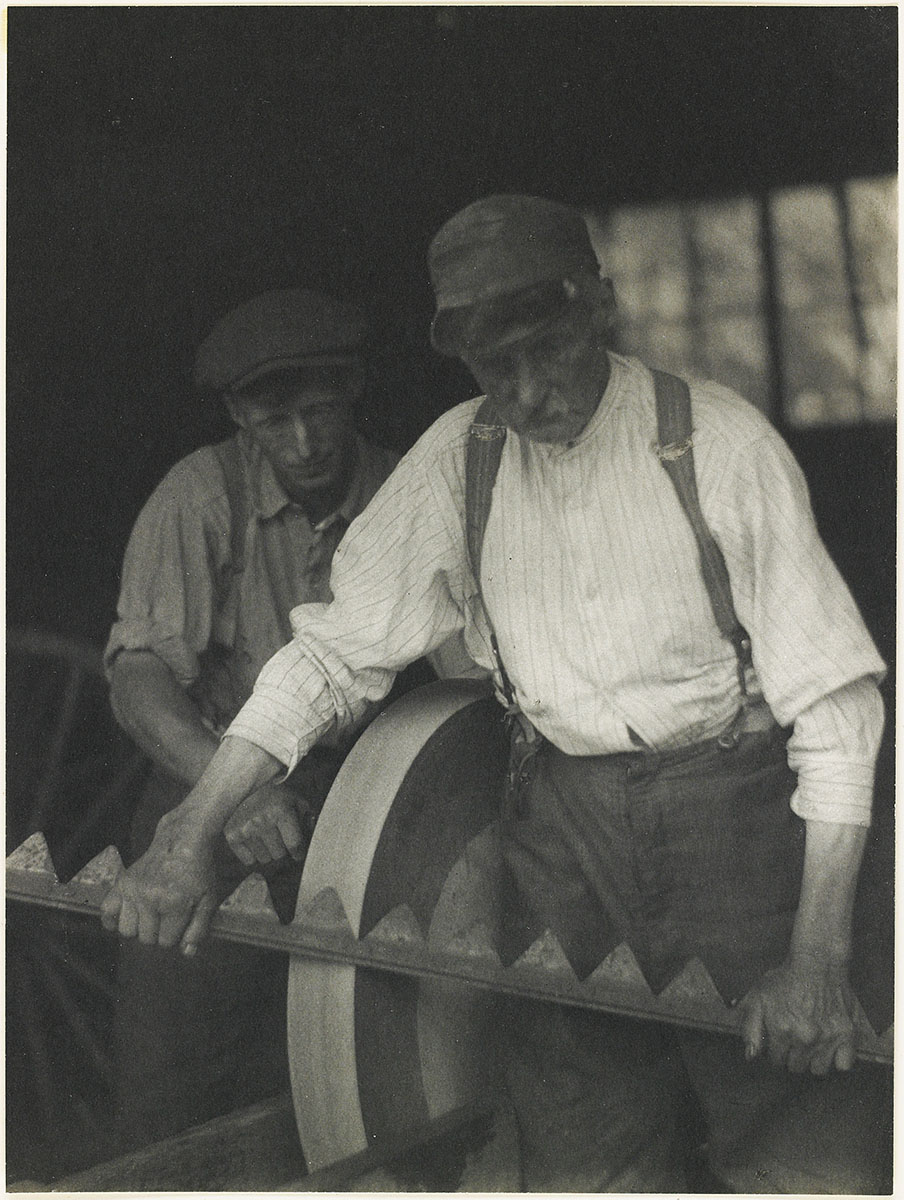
{"x":751,"y":721}
{"x":755,"y":722}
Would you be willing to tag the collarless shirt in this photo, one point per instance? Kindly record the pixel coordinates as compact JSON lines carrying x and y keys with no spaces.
{"x":591,"y":578}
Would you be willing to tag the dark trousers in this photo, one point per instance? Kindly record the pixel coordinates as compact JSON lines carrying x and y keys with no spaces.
{"x":195,"y":1038}
{"x":693,"y":853}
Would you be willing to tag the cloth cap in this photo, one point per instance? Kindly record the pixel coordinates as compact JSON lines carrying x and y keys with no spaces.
{"x":278,"y":329}
{"x":500,"y":246}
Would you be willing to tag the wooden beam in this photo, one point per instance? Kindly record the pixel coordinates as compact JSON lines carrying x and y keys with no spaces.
{"x":254,"y":1149}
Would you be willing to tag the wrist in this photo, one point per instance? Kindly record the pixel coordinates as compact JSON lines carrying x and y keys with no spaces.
{"x":184,"y":832}
{"x":826,"y":955}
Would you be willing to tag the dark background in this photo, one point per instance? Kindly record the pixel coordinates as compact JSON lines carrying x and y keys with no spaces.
{"x":168,"y":162}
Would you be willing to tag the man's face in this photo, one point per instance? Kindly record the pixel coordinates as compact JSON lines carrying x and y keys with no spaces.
{"x":305,"y":430}
{"x":546,"y":385}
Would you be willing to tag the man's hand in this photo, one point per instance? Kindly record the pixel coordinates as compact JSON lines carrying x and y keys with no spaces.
{"x":265,"y":827}
{"x":801,"y":1013}
{"x":168,"y":896}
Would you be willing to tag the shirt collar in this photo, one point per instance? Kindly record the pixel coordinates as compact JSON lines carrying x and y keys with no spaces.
{"x":268,"y":497}
{"x":608,"y":401}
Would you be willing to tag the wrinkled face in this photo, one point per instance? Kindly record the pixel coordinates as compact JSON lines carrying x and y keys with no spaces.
{"x":305,"y":429}
{"x":546,"y":385}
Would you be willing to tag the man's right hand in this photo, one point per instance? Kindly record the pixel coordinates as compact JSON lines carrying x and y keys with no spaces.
{"x":168,"y":896}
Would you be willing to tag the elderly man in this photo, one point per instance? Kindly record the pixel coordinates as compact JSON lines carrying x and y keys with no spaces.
{"x":234,"y":537}
{"x":693,"y":694}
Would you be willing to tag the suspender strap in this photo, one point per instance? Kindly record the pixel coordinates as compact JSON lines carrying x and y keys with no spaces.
{"x":230,"y":459}
{"x":485,"y":443}
{"x":676,"y":453}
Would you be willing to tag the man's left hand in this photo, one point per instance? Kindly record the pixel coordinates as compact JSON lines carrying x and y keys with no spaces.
{"x":802,"y":1014}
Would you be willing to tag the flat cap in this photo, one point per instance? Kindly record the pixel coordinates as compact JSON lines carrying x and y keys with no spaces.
{"x":277,"y":329}
{"x":500,"y":245}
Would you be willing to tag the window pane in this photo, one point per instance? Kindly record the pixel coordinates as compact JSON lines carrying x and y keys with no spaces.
{"x":874,"y":215}
{"x":873,"y":206}
{"x":838,"y":360}
{"x":642,"y":249}
{"x":731,"y":343}
{"x":688,"y":284}
{"x":691,"y":295}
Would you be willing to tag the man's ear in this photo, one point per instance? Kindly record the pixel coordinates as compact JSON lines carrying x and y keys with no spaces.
{"x":594,"y":287}
{"x":236,"y":410}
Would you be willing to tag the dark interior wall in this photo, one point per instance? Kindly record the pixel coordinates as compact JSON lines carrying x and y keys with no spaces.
{"x":167,"y":162}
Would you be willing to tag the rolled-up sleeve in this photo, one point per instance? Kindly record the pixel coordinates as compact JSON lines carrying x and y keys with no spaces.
{"x":833,"y":749}
{"x":399,"y":586}
{"x":171,"y":564}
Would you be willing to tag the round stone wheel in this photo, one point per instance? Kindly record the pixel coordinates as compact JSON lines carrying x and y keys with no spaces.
{"x":410,"y":820}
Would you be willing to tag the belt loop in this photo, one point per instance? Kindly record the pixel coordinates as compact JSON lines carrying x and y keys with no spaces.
{"x":644,"y":763}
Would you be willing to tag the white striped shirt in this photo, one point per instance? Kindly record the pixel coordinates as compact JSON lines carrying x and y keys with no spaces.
{"x":591,"y":578}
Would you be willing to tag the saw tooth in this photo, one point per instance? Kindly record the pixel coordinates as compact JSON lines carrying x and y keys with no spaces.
{"x":399,"y":926}
{"x":104,"y":868}
{"x":324,"y":910}
{"x":693,"y":986}
{"x":619,"y":969}
{"x":32,"y":856}
{"x":886,"y":1043}
{"x":546,"y":953}
{"x":476,"y":942}
{"x":252,"y":896}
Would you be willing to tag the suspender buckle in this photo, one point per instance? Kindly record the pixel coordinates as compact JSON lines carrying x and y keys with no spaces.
{"x":743,"y":646}
{"x":673,"y":450}
{"x":488,"y":433}
{"x":519,"y":726}
{"x":524,"y":744}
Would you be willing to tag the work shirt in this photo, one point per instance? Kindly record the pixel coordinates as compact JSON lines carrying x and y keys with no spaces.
{"x":212,"y":600}
{"x":591,"y":578}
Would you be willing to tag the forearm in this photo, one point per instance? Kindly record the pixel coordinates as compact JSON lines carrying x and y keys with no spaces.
{"x":833,"y":749}
{"x":801,"y":1011}
{"x":237,"y":769}
{"x":822,"y":927}
{"x":159,"y":717}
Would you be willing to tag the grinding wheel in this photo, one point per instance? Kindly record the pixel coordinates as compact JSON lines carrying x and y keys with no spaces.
{"x":410,"y":820}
